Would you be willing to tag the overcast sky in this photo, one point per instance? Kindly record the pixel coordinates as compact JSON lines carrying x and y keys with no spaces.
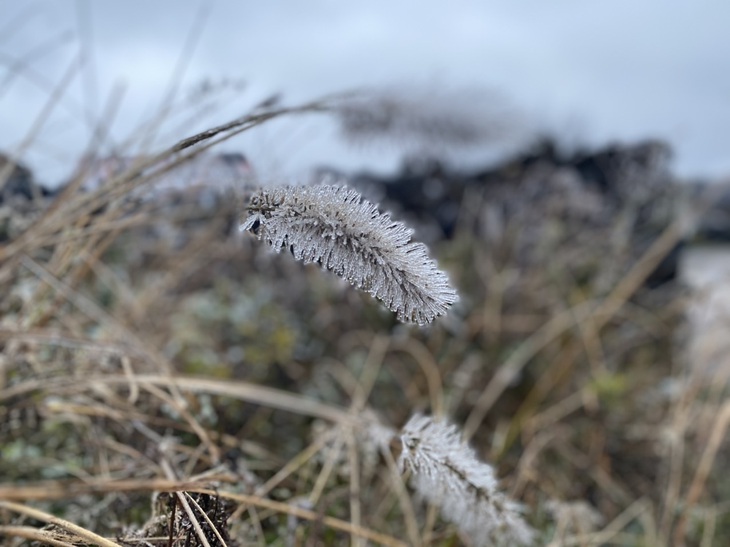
{"x":587,"y":71}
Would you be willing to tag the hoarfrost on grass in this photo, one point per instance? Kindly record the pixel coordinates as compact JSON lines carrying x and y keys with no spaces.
{"x":446,"y":473}
{"x":346,"y":234}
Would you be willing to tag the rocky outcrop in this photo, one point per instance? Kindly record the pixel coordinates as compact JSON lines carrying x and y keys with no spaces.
{"x":584,"y":204}
{"x":17,"y":182}
{"x":21,"y":198}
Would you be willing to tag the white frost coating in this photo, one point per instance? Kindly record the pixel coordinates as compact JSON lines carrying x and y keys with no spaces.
{"x":336,"y":228}
{"x":446,"y":473}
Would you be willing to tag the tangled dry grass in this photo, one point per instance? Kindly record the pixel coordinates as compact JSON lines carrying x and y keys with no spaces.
{"x":165,"y":381}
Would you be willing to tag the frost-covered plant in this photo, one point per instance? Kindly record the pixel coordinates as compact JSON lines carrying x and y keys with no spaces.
{"x":346,"y":234}
{"x":576,"y":517}
{"x":446,"y":472}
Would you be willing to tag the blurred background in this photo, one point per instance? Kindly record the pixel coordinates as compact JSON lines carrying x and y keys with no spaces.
{"x":586,"y":74}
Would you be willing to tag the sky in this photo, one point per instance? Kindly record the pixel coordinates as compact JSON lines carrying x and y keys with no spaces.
{"x":587,"y":72}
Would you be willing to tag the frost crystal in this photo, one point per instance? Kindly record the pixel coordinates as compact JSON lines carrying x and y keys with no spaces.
{"x":446,"y":473}
{"x":336,"y":228}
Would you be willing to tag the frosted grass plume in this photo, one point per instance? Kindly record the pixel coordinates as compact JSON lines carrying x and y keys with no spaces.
{"x":346,"y":234}
{"x":446,"y":472}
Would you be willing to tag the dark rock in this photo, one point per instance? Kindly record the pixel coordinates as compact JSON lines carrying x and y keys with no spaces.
{"x":621,"y":191}
{"x":19,"y":183}
{"x":714,"y":224}
{"x":606,"y":179}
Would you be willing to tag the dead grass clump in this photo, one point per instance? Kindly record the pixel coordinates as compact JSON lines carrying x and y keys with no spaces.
{"x":162,"y":356}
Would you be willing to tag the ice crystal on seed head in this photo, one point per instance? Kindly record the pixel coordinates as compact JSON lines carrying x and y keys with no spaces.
{"x":446,"y":473}
{"x":346,"y":234}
